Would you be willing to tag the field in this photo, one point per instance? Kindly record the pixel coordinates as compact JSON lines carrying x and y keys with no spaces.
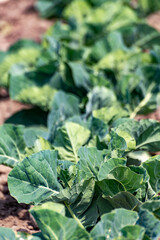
{"x":80,"y":120}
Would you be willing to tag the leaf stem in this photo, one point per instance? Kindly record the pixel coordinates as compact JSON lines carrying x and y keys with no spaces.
{"x":141,"y":105}
{"x":74,"y":216}
{"x":143,"y":102}
{"x":147,"y":39}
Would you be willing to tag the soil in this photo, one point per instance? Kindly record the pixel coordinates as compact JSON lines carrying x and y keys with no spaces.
{"x":155,"y":115}
{"x":18,"y":19}
{"x":16,"y":22}
{"x":154,"y":20}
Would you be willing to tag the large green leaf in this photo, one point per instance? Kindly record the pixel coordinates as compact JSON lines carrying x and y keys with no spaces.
{"x":99,"y":128}
{"x":149,"y":6}
{"x":12,"y":144}
{"x":108,"y":166}
{"x":117,"y":145}
{"x":143,"y":35}
{"x":20,"y":52}
{"x":55,"y":225}
{"x":122,"y":18}
{"x":121,"y":200}
{"x":150,"y":223}
{"x":37,"y":96}
{"x":64,"y":106}
{"x":91,"y":215}
{"x":149,"y":137}
{"x":85,"y":208}
{"x":100,"y":97}
{"x":77,"y":10}
{"x":85,"y":198}
{"x":153,"y":168}
{"x":49,"y":8}
{"x":152,"y":206}
{"x":9,"y":234}
{"x":69,"y":139}
{"x":35,"y":178}
{"x":31,"y":134}
{"x":129,"y":139}
{"x":111,"y":224}
{"x":93,"y":165}
{"x":25,"y":87}
{"x":145,"y":132}
{"x":132,"y":233}
{"x":130,"y":179}
{"x":80,"y":76}
{"x":90,"y":161}
{"x":40,"y":144}
{"x":110,"y":187}
{"x":109,"y":114}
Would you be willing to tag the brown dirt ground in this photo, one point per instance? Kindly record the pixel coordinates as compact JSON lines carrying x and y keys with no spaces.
{"x":154,"y":20}
{"x":155,"y":115}
{"x":16,"y":22}
{"x":18,"y":19}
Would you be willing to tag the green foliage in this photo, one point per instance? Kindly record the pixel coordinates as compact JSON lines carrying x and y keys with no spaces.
{"x":69,"y":139}
{"x":44,"y":182}
{"x":81,"y":158}
{"x":22,"y":51}
{"x":8,"y":234}
{"x":12,"y":144}
{"x":149,"y":6}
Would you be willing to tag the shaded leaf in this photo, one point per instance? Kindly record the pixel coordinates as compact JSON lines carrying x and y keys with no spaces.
{"x":64,"y":106}
{"x":80,"y":76}
{"x":110,"y":187}
{"x":150,"y":223}
{"x":153,"y":168}
{"x":117,"y":145}
{"x":153,"y":207}
{"x":28,"y":117}
{"x":121,"y":200}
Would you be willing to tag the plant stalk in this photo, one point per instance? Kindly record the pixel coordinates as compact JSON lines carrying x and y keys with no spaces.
{"x":143,"y":102}
{"x":74,"y":216}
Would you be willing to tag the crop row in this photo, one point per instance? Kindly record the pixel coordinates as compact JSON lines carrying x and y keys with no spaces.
{"x":79,"y":155}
